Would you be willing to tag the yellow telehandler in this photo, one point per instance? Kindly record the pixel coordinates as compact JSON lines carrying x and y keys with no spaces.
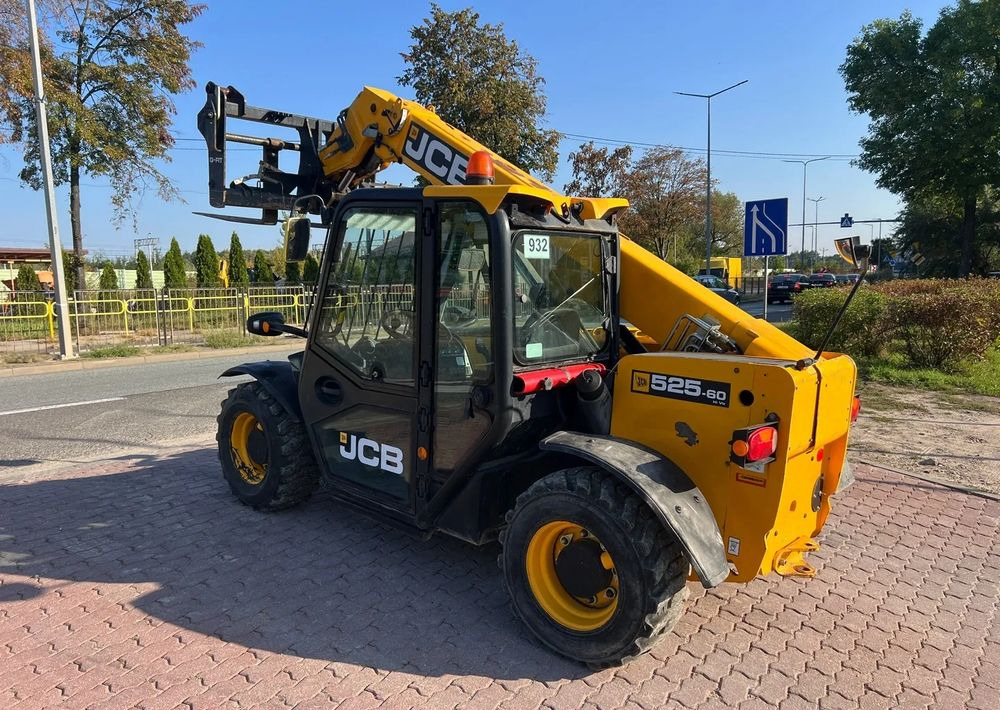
{"x":490,"y":359}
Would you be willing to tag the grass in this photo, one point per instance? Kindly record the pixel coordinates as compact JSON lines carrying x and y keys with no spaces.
{"x":975,"y":378}
{"x":24,"y":358}
{"x":172,"y":348}
{"x":112,"y":351}
{"x":229,"y":339}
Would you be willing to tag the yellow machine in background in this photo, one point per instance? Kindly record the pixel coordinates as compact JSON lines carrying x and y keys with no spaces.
{"x":609,"y":463}
{"x":727,"y":268}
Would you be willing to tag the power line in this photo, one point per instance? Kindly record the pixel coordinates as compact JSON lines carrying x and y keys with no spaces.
{"x":719,"y":151}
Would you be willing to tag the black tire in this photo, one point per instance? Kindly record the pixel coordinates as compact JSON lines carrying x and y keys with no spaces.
{"x":648,"y":562}
{"x":289,"y":474}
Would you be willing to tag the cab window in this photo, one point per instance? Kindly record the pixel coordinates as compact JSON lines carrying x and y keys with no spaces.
{"x":367,"y":318}
{"x":560,"y":301}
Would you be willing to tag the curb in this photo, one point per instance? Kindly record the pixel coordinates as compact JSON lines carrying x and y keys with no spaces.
{"x":96,"y":364}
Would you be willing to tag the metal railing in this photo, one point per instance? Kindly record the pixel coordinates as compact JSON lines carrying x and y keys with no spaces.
{"x":748,"y":285}
{"x":28,"y":322}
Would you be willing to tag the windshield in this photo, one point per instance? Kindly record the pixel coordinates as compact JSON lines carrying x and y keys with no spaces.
{"x":560,"y":308}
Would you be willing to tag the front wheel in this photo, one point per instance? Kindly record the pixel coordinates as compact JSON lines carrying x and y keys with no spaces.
{"x":264,"y":450}
{"x":589,"y":569}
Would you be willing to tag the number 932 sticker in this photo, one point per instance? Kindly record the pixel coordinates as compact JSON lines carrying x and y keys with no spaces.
{"x":690,"y":389}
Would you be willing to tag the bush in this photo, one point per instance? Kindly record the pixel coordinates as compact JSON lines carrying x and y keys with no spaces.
{"x":937,"y":323}
{"x":942,"y":328}
{"x":861,"y":330}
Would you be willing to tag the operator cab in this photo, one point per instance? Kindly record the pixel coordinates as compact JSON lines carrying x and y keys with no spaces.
{"x":431,"y":314}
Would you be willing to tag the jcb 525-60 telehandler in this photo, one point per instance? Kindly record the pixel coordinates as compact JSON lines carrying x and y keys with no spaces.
{"x":490,"y":359}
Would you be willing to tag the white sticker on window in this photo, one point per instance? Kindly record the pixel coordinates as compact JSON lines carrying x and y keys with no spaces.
{"x":533,"y":350}
{"x":536,"y":246}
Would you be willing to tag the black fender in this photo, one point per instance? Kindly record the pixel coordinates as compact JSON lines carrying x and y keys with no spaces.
{"x":666,"y":489}
{"x":277,"y":377}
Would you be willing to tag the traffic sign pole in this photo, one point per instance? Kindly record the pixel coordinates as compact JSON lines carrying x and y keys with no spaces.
{"x":765,"y":286}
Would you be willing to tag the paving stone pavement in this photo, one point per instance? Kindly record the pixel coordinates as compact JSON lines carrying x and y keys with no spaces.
{"x":142,"y":584}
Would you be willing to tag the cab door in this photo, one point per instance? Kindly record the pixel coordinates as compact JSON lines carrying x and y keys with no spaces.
{"x":363,"y":387}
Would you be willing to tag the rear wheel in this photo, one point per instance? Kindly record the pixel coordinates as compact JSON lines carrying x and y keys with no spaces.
{"x":589,"y":569}
{"x":264,"y":451}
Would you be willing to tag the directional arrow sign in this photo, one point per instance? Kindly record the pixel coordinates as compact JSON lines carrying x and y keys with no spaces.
{"x":765,"y":227}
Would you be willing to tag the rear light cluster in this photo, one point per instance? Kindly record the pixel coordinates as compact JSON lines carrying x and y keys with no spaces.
{"x":754,"y":444}
{"x":855,"y":408}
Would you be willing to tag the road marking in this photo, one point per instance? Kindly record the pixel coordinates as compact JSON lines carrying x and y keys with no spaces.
{"x":60,"y":406}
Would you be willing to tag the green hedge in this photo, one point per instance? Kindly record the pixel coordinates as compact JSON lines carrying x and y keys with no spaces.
{"x":936,"y":323}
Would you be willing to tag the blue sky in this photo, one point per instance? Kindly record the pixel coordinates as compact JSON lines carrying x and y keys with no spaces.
{"x":609,"y":73}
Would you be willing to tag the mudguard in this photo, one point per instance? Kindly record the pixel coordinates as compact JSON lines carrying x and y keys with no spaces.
{"x":669,"y":491}
{"x":277,"y":377}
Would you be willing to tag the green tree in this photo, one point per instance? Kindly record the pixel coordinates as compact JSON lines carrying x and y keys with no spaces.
{"x":70,"y":264}
{"x":109,"y":277}
{"x":238,"y":275}
{"x":173,"y":267}
{"x":310,"y":270}
{"x":598,"y":172}
{"x":26,"y":283}
{"x":934,"y":104}
{"x":480,"y":81}
{"x":263,"y":272}
{"x":293,"y":272}
{"x":143,"y":275}
{"x":727,"y":224}
{"x":111,"y":69}
{"x":206,"y":263}
{"x":665,"y":190}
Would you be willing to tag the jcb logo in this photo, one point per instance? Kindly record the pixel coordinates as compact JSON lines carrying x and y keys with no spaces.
{"x":435,"y":156}
{"x":371,"y":453}
{"x":640,"y":381}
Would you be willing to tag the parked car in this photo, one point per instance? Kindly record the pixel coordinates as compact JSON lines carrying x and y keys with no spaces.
{"x":823,"y":280}
{"x":844,"y":279}
{"x":717,"y":285}
{"x":784,"y":286}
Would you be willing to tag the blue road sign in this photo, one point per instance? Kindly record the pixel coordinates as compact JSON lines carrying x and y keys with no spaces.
{"x":846,"y":221}
{"x":765,"y":227}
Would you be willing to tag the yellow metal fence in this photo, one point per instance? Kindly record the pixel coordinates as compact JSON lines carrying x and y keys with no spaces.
{"x":28,"y":320}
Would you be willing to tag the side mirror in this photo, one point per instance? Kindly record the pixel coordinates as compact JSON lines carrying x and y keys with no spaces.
{"x":297,"y":238}
{"x":268,"y":324}
{"x":852,"y":250}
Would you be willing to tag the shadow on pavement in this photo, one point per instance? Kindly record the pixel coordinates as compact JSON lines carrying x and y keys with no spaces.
{"x":321,"y":581}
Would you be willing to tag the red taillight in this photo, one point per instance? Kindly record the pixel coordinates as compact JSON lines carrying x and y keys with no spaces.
{"x":762,"y":443}
{"x":855,"y":408}
{"x":797,"y":287}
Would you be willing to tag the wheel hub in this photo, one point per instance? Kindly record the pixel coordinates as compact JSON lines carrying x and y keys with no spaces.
{"x":572,"y":576}
{"x":248,"y":445}
{"x":580,"y":570}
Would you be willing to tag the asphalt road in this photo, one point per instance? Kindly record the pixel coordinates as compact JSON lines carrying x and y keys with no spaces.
{"x":776,"y":312}
{"x":82,"y":415}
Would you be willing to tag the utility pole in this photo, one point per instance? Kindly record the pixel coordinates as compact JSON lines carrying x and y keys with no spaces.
{"x":708,"y":185}
{"x":816,"y":201}
{"x":805,"y":164}
{"x":55,"y":248}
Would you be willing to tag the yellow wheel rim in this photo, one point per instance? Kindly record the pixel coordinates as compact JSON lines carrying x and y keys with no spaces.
{"x":251,"y":470}
{"x":574,"y":613}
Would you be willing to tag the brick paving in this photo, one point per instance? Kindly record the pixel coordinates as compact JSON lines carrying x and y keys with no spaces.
{"x":143,"y":584}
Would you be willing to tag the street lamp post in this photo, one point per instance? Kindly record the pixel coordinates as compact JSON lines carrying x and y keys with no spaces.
{"x":51,"y":215}
{"x":805,"y":163}
{"x":816,"y":201}
{"x":708,"y":185}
